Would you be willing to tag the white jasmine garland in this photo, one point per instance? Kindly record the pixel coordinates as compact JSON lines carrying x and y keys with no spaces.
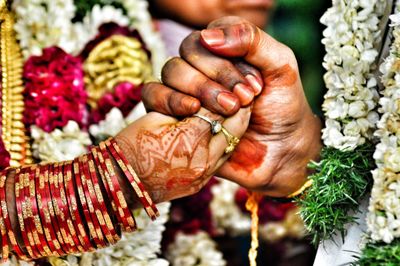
{"x":227,"y":216}
{"x":349,"y":106}
{"x":59,"y":145}
{"x":194,"y":250}
{"x":383,"y":219}
{"x":137,"y":248}
{"x":110,"y":126}
{"x":44,"y":23}
{"x":87,"y":30}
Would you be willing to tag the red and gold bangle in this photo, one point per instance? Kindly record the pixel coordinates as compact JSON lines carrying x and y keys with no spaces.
{"x":132,"y":177}
{"x":5,"y":249}
{"x":109,"y":220}
{"x":37,"y":229}
{"x":89,"y":200}
{"x":106,"y":180}
{"x":100,"y":208}
{"x":73,"y":238}
{"x":19,"y":197}
{"x":83,"y":202}
{"x":49,"y":203}
{"x":124,"y":214}
{"x":59,"y":215}
{"x":11,"y":235}
{"x":74,"y":210}
{"x":27,"y":214}
{"x":44,"y":214}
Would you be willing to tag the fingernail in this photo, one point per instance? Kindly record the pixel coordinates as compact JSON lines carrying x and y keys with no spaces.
{"x":244,"y":92}
{"x":255,"y":83}
{"x":227,"y":100}
{"x":213,"y":37}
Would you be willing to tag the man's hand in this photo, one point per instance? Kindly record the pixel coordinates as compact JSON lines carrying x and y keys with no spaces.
{"x":283,"y":134}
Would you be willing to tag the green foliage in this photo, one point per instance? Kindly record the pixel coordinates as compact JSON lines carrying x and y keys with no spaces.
{"x":379,"y":254}
{"x":340,"y":180}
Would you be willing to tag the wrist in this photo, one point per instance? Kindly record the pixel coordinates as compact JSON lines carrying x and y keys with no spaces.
{"x":308,"y":136}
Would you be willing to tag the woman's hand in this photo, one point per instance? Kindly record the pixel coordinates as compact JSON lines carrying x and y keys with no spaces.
{"x":283,"y":134}
{"x":176,"y":158}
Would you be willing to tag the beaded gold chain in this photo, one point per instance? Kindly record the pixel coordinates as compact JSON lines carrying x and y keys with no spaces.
{"x":13,"y":131}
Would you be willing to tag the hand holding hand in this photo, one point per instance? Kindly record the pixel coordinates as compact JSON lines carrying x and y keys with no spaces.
{"x":176,"y":158}
{"x":283,"y":134}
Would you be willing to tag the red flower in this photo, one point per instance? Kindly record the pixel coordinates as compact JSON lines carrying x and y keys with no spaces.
{"x":54,"y":90}
{"x":4,"y":156}
{"x":125,"y":97}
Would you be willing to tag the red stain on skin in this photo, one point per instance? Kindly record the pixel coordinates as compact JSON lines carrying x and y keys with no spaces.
{"x":249,"y":155}
{"x":260,"y":123}
{"x":283,"y":76}
{"x":179,"y":181}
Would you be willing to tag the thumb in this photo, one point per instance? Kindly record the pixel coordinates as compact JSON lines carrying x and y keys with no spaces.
{"x":236,"y":37}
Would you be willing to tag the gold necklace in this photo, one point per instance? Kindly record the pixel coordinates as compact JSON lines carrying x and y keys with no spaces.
{"x":13,"y":133}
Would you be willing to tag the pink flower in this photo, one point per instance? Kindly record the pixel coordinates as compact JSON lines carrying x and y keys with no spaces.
{"x":125,"y":97}
{"x":54,"y":90}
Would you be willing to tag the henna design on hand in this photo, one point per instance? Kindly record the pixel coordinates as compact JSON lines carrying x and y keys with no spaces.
{"x":171,"y":160}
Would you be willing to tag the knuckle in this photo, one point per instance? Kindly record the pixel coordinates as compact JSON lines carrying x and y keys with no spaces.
{"x":189,"y":43}
{"x":168,"y":68}
{"x":227,"y":75}
{"x":147,"y":92}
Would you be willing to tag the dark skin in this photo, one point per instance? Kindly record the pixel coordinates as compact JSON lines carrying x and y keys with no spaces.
{"x":198,"y":13}
{"x":283,"y":135}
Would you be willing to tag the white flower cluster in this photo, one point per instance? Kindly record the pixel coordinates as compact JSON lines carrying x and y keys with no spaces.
{"x":87,"y":30}
{"x":227,"y":216}
{"x":110,"y":126}
{"x":292,"y":227}
{"x":194,"y":250}
{"x":43,"y":23}
{"x":137,"y":248}
{"x":352,"y":31}
{"x":384,"y":210}
{"x":59,"y":145}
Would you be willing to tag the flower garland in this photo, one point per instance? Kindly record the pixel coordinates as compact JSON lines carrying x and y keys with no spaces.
{"x":138,"y":248}
{"x":351,"y":41}
{"x":383,"y":219}
{"x":194,"y":250}
{"x":56,"y":98}
{"x":44,"y":23}
{"x":141,"y":19}
{"x":384,"y":214}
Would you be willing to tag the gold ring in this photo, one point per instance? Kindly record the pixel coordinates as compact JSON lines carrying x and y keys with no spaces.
{"x":217,"y":127}
{"x":232,"y":141}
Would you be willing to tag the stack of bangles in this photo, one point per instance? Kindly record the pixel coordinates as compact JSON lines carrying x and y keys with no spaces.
{"x":71,"y":207}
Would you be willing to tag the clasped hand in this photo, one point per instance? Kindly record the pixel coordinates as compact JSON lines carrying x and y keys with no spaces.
{"x":233,"y":69}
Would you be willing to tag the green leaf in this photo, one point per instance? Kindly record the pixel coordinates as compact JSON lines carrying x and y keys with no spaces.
{"x":340,"y":181}
{"x":379,"y":254}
